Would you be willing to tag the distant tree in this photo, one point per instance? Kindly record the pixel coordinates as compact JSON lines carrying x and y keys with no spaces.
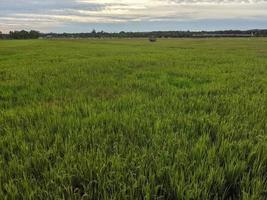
{"x":93,"y":33}
{"x":34,"y":34}
{"x":24,"y":34}
{"x":122,"y":34}
{"x":18,"y":34}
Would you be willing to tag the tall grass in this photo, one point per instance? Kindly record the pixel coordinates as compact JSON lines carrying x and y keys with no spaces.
{"x":127,"y":119}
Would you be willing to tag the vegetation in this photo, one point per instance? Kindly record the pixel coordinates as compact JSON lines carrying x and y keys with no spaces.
{"x":20,"y":35}
{"x":130,"y":119}
{"x":162,"y":34}
{"x":158,"y":34}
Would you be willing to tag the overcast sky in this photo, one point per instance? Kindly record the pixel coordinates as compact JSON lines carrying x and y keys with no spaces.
{"x":131,"y":15}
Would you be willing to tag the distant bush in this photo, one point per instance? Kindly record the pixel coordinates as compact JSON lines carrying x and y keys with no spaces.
{"x":152,"y":39}
{"x":24,"y":34}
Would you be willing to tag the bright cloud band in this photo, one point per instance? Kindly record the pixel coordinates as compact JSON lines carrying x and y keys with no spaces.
{"x":42,"y":15}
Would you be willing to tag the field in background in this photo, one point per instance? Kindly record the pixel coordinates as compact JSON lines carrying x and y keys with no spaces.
{"x":129,"y":119}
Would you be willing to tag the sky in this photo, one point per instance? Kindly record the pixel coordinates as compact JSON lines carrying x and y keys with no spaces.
{"x":131,"y":15}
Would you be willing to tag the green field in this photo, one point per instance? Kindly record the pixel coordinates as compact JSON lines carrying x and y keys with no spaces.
{"x":128,"y":119}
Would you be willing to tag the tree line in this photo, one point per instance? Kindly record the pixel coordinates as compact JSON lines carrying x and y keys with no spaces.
{"x":21,"y":35}
{"x":159,"y":34}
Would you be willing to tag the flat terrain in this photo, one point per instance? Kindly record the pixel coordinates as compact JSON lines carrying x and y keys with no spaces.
{"x":129,"y":119}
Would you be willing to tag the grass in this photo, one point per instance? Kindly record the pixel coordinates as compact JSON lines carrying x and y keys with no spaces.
{"x":128,"y":119}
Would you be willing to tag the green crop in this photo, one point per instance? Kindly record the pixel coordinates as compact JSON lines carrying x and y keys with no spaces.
{"x":125,"y":119}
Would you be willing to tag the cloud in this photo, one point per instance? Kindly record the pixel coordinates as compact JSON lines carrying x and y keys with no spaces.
{"x":50,"y":14}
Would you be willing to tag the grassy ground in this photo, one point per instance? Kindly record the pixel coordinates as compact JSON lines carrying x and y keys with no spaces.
{"x":129,"y":119}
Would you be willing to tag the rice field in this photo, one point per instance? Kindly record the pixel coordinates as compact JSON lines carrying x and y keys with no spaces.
{"x":107,"y":119}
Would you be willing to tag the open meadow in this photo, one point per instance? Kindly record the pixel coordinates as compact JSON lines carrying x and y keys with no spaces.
{"x":103,"y":119}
